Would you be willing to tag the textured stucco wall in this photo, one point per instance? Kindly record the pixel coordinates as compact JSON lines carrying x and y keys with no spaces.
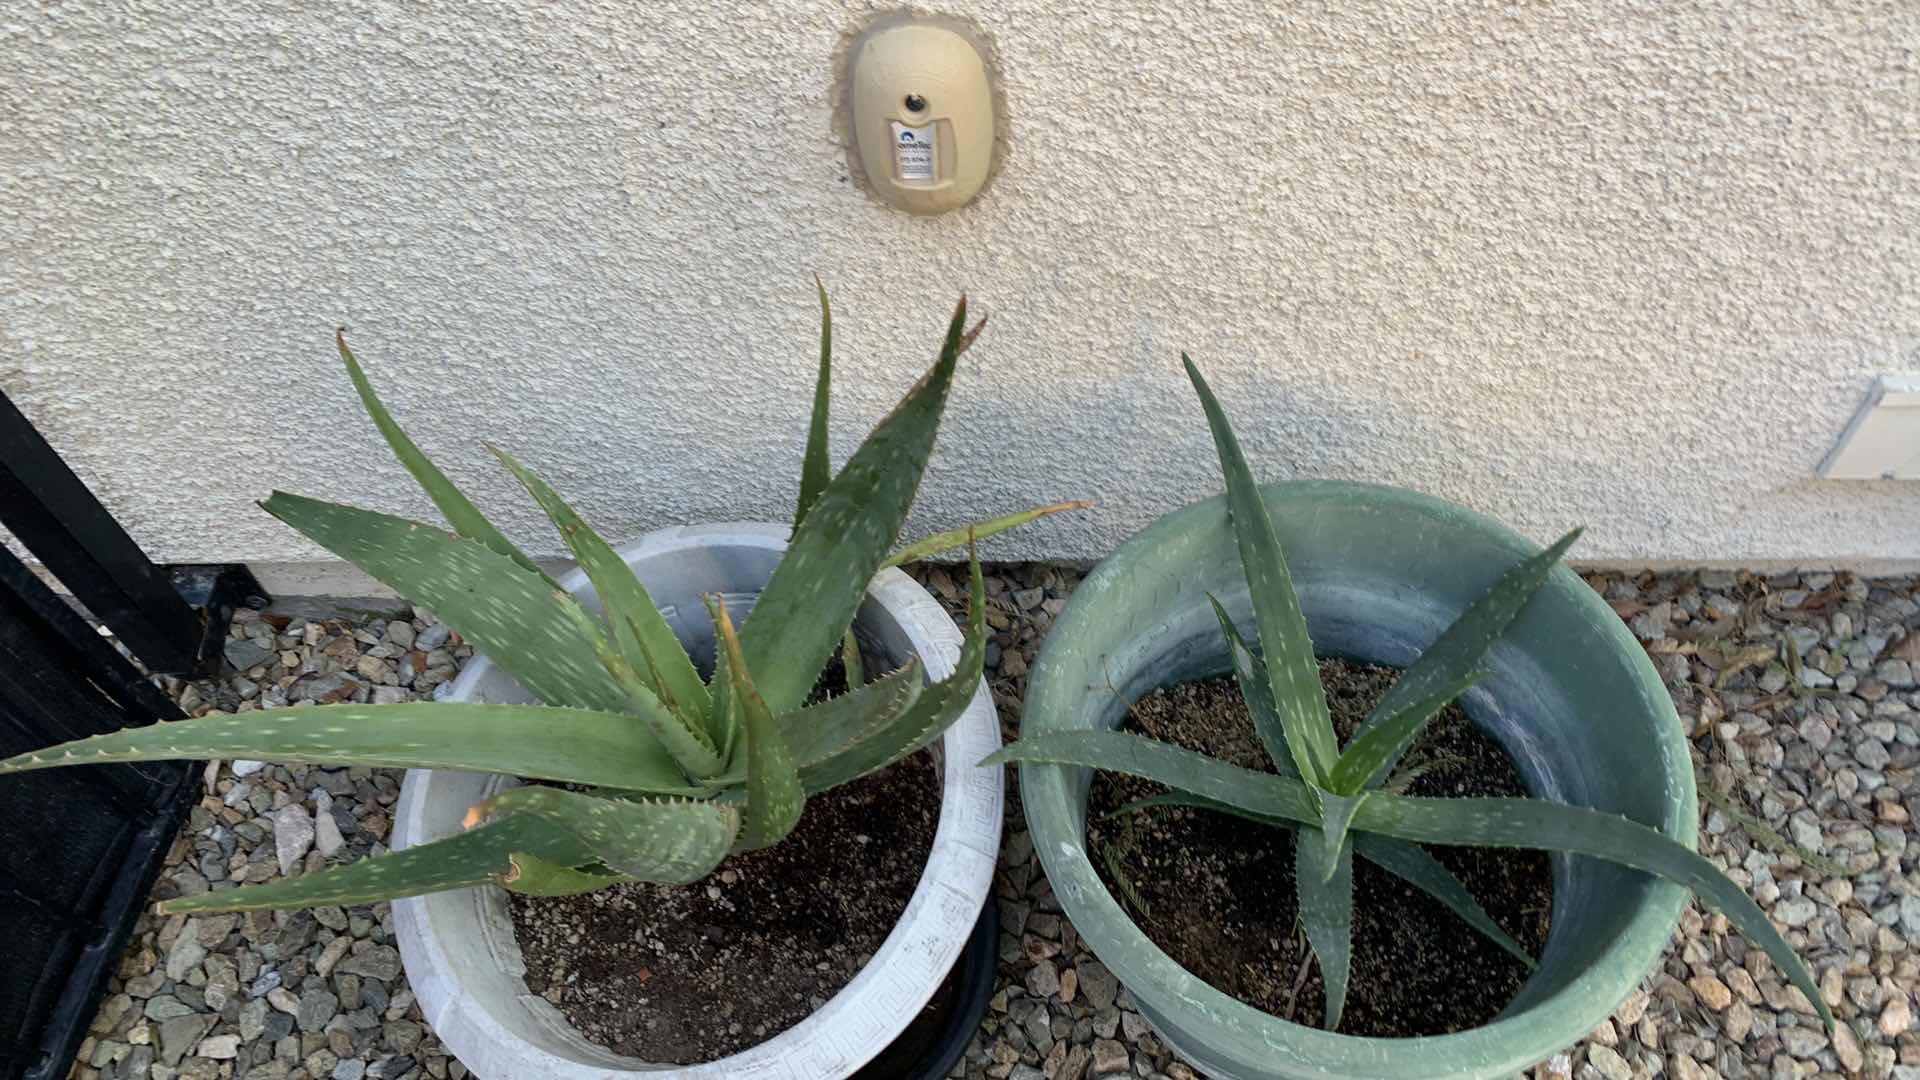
{"x":1597,"y":263}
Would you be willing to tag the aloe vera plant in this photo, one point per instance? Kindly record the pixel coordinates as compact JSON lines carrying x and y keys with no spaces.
{"x":678,"y":770}
{"x":1339,"y":801}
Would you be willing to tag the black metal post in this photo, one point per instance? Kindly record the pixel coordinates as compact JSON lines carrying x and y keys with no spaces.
{"x":79,"y":848}
{"x":71,"y":890}
{"x":49,"y":510}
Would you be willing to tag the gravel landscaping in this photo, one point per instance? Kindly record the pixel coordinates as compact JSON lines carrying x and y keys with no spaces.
{"x":1799,"y":692}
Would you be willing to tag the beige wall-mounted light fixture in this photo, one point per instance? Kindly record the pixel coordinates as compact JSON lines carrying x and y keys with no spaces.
{"x":922,"y":115}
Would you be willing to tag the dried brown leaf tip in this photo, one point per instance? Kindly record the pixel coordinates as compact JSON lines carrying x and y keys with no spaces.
{"x":967,"y":339}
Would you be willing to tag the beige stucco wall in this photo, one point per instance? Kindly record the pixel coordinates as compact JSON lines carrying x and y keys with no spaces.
{"x":1599,"y":263}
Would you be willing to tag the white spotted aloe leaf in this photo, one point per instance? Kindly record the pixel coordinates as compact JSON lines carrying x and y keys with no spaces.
{"x":1293,"y":679}
{"x":954,"y":539}
{"x":639,"y":631}
{"x":816,"y":468}
{"x":1323,"y":871}
{"x":803,"y":613}
{"x":535,"y":741}
{"x":466,"y":519}
{"x":1443,"y":672}
{"x":1298,"y":723}
{"x":670,"y":841}
{"x":774,"y":797}
{"x":930,"y":713}
{"x":479,"y":856}
{"x":536,"y":631}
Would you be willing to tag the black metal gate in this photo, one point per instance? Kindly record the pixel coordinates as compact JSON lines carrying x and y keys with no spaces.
{"x":79,"y":848}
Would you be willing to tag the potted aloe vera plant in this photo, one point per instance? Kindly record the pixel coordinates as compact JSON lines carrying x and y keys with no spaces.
{"x":656,"y":714}
{"x":1257,"y":591}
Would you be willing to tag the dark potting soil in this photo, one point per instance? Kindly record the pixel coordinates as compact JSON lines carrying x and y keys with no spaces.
{"x":686,"y":974}
{"x":1216,"y":892}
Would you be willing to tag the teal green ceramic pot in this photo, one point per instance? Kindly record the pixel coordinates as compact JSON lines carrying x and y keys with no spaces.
{"x":1380,"y":573}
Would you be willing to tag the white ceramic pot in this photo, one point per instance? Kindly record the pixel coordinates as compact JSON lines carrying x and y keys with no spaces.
{"x":459,"y":949}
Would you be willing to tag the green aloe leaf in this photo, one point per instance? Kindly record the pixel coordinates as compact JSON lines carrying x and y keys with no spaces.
{"x":523,"y":622}
{"x":816,"y":470}
{"x":821,"y":730}
{"x":466,"y":519}
{"x":957,"y":538}
{"x":816,"y":733}
{"x":1183,"y":770}
{"x":1551,"y":826}
{"x":856,"y":668}
{"x":534,"y":741}
{"x":1336,"y":815}
{"x":1323,"y":882}
{"x":1458,"y":652}
{"x":1524,"y":823}
{"x":639,"y":630}
{"x":725,"y":717}
{"x":1404,"y":776}
{"x":1254,"y":690}
{"x":775,"y":798}
{"x":811,"y":598}
{"x":477,"y":856}
{"x":929,"y":715}
{"x":1371,"y":754}
{"x":684,"y":737}
{"x":1404,"y":859}
{"x":531,"y":875}
{"x":1287,"y":650}
{"x":670,"y":841}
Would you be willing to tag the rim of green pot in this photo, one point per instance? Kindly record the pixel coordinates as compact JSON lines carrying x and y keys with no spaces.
{"x":1259,"y":1041}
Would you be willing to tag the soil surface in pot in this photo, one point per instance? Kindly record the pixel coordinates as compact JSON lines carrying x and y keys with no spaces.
{"x":685,"y":974}
{"x":1216,"y":892}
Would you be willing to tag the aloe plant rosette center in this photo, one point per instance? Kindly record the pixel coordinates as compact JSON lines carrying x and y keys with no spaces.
{"x":458,"y":946}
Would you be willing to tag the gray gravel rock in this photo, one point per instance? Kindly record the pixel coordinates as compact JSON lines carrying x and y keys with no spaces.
{"x":1817,"y":741}
{"x":186,"y":954}
{"x":255,"y":995}
{"x":293,"y":835}
{"x":327,"y":838}
{"x":381,"y":962}
{"x":244,"y":654}
{"x":315,"y":1008}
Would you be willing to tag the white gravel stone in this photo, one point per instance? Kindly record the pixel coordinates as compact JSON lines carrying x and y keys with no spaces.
{"x":326,"y":835}
{"x":1798,"y":911}
{"x":293,"y":835}
{"x":186,"y":953}
{"x":1835,"y":772}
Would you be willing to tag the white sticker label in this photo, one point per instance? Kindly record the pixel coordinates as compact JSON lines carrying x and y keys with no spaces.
{"x":913,"y":152}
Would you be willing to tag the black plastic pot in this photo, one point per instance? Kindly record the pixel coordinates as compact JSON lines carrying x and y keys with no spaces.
{"x":934,"y":1042}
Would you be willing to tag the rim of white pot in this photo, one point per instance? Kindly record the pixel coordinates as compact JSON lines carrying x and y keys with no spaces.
{"x":458,"y":947}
